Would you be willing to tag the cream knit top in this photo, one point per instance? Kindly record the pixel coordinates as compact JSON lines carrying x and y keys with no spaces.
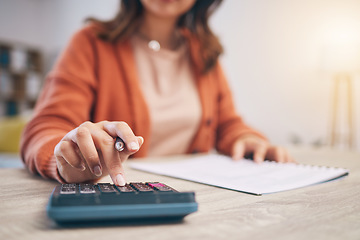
{"x":169,"y":88}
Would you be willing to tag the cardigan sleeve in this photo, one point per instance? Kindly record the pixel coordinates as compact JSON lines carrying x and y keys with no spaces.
{"x":230,"y":125}
{"x":64,"y":103}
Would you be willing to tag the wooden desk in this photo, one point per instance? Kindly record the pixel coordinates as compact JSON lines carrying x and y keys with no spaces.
{"x":325,"y":211}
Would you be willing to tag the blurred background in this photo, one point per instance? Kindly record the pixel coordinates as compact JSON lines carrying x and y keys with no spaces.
{"x":293,"y":65}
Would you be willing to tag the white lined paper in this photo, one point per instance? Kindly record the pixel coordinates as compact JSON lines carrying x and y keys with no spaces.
{"x":244,"y":175}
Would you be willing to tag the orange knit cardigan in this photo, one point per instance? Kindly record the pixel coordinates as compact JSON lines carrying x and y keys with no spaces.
{"x":94,"y":80}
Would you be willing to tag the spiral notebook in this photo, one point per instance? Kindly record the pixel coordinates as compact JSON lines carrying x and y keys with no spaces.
{"x":244,"y":175}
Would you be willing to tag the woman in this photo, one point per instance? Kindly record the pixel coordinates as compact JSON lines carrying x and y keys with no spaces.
{"x":150,"y":73}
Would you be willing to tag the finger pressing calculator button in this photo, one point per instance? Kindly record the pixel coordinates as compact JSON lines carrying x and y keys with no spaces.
{"x":87,"y":189}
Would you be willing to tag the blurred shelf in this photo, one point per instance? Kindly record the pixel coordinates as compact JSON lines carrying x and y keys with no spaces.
{"x":21,"y":77}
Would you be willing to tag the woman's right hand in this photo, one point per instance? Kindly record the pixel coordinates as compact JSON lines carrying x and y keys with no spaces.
{"x":87,"y":152}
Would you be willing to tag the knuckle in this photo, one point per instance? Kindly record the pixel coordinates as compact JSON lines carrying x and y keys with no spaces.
{"x":264,"y":144}
{"x":262,"y":148}
{"x":60,"y":148}
{"x":121,"y":124}
{"x":104,"y":122}
{"x":279,"y":151}
{"x":63,"y":147}
{"x":92,"y":159}
{"x":86,"y":124}
{"x":82,"y":131}
{"x":239,"y":142}
{"x":107,"y":141}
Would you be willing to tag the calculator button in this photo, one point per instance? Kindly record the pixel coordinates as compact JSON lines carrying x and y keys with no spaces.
{"x":107,"y":188}
{"x":87,"y":189}
{"x":68,"y":191}
{"x":155,"y":184}
{"x":160,"y":187}
{"x":141,"y":187}
{"x":126,"y":189}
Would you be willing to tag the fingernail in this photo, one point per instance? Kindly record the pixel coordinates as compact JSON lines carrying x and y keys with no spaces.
{"x":120,"y":181}
{"x":141,"y":140}
{"x":97,"y":171}
{"x":82,"y":167}
{"x":134,"y":146}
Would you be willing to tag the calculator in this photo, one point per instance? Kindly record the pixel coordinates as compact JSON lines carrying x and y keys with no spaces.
{"x":71,"y":203}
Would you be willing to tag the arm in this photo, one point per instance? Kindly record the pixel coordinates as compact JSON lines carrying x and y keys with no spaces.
{"x":65,"y":102}
{"x":83,"y":150}
{"x":237,"y":139}
{"x":230,"y":125}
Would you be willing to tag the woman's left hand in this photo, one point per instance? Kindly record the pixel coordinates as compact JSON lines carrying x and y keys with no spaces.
{"x":259,"y":149}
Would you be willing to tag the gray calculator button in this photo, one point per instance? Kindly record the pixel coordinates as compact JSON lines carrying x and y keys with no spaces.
{"x":68,"y":191}
{"x":87,"y":189}
{"x":141,"y":187}
{"x":68,"y":188}
{"x":106,"y":188}
{"x":126,"y":188}
{"x":160,"y":187}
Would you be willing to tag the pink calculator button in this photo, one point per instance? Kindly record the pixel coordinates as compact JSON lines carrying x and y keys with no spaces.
{"x":156,"y":185}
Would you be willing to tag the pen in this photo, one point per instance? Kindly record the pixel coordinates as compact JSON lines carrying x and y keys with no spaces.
{"x":119,"y":144}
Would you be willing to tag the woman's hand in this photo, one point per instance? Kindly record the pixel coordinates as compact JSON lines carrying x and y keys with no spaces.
{"x":87,"y":152}
{"x":259,"y":149}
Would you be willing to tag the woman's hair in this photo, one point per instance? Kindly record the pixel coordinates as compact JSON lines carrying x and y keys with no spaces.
{"x":127,"y":20}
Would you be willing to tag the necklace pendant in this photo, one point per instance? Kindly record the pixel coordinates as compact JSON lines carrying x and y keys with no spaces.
{"x":154,"y":45}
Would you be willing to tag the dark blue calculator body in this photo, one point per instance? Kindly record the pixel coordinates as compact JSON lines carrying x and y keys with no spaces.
{"x":105,"y":201}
